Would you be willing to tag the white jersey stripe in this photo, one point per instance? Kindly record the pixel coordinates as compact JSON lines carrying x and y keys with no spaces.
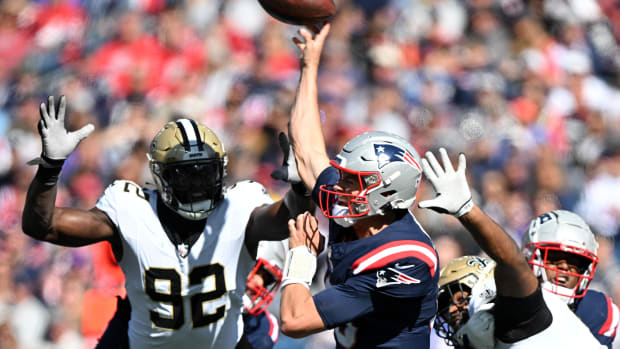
{"x":274,"y":330}
{"x":394,"y":250}
{"x":615,"y":318}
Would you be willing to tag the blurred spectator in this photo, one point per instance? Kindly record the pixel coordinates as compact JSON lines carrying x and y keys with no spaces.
{"x":527,"y":89}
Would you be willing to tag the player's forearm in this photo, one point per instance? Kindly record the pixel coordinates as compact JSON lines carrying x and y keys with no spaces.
{"x":305,"y":129}
{"x":39,"y":207}
{"x":512,"y":274}
{"x":298,"y":314}
{"x":491,"y":237}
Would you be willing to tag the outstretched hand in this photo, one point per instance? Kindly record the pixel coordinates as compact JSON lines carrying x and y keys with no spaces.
{"x":58,"y":143}
{"x":453,"y":194}
{"x":312,"y":44}
{"x":304,"y":231}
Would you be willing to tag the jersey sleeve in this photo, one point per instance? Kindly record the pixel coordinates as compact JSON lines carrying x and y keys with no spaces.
{"x":601,"y":316}
{"x":328,"y":176}
{"x":109,"y":201}
{"x":273,"y":251}
{"x":251,"y":194}
{"x":384,"y":289}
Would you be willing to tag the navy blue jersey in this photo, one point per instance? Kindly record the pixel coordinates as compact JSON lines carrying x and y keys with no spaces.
{"x":600,"y":314}
{"x":383,"y":287}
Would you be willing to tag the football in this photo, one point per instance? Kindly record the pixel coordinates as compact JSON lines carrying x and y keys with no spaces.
{"x":300,"y":12}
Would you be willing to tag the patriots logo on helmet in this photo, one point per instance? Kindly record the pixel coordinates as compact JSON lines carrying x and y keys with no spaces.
{"x":391,"y":276}
{"x":387,"y":153}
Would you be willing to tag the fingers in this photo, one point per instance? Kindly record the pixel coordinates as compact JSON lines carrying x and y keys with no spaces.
{"x":45,"y":118}
{"x":51,"y":108}
{"x":305,"y":33}
{"x":84,"y":131}
{"x":428,"y":171}
{"x":292,"y":228}
{"x":462,"y":163}
{"x":432,"y":160}
{"x":447,"y":164}
{"x":61,"y":109}
{"x":299,"y":43}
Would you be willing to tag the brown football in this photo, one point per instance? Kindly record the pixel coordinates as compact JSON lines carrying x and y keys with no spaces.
{"x":300,"y":12}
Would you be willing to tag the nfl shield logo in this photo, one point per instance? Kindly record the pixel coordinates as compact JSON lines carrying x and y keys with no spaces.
{"x":183,"y":250}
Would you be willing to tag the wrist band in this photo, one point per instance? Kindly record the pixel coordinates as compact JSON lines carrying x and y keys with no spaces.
{"x":299,"y":267}
{"x":49,"y":169}
{"x":467,"y":206}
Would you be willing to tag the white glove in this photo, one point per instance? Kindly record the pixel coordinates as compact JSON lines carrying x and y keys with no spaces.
{"x":58,"y":143}
{"x":453,"y":194}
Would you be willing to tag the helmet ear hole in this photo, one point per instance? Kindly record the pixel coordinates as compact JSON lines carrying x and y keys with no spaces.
{"x":387,"y":194}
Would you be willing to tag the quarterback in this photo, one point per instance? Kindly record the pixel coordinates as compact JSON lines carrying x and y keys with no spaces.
{"x":186,"y":247}
{"x":383,"y":268}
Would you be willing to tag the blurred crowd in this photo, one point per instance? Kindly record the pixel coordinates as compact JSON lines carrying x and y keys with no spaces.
{"x":529,"y":90}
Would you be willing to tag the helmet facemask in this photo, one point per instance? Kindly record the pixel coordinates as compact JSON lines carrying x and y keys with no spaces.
{"x":579,"y":264}
{"x":559,"y":236}
{"x":263,"y":283}
{"x":455,"y":296}
{"x":193,"y":188}
{"x":466,"y":285}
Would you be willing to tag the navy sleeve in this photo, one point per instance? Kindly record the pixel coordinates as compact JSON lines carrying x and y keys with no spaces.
{"x":373,"y":290}
{"x":343,"y":303}
{"x":600,"y":314}
{"x":328,"y":176}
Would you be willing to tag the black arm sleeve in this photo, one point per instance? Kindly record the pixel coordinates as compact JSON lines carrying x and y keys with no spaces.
{"x":519,"y":318}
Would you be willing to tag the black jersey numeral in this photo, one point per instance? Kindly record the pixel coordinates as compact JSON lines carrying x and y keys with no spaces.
{"x":129,"y":187}
{"x":173,"y":295}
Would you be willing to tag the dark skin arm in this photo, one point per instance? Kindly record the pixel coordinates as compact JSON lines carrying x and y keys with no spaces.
{"x":513,"y":276}
{"x":269,"y":222}
{"x":63,"y":226}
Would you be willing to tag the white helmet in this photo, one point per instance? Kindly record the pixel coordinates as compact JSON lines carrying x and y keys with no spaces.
{"x":388,"y":173}
{"x":564,"y":232}
{"x":188,"y":164}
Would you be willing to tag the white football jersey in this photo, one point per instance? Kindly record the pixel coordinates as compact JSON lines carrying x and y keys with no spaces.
{"x":183,"y":302}
{"x":566,"y":330}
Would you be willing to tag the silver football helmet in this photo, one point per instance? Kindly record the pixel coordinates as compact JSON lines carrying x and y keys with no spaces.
{"x":555,"y":235}
{"x":386,"y":174}
{"x":188,"y":163}
{"x":466,"y":286}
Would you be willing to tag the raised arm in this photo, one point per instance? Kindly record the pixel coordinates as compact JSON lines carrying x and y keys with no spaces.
{"x":513,"y":275}
{"x":305,"y":127}
{"x":41,"y":219}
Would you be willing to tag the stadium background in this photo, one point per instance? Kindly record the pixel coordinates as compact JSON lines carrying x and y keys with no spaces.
{"x":529,"y":90}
